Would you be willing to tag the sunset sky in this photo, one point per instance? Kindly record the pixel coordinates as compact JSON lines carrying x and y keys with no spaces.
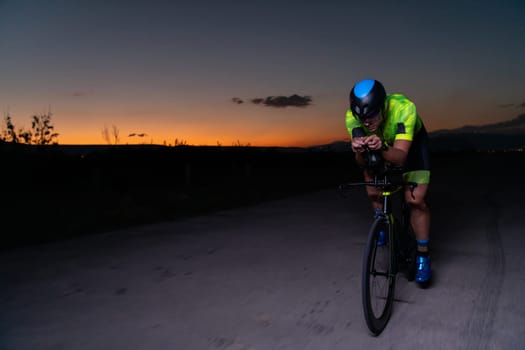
{"x":191,"y":70}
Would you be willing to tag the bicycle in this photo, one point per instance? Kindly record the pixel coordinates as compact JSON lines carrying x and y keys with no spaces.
{"x":385,"y":256}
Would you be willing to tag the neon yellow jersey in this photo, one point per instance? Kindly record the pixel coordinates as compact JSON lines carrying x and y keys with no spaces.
{"x":401,"y":121}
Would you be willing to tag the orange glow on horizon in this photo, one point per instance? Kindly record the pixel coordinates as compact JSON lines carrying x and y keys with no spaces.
{"x":253,"y":126}
{"x":322,"y":135}
{"x":290,"y":141}
{"x":313,"y":135}
{"x":300,"y":130}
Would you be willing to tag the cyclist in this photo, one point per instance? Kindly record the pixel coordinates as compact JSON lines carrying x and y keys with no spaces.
{"x":390,"y":124}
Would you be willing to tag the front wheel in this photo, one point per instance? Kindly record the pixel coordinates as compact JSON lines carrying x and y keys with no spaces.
{"x":378,"y":277}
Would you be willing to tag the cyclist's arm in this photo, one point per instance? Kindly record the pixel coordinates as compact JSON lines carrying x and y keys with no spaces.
{"x":358,"y":140}
{"x":359,"y":159}
{"x":358,"y":148}
{"x":397,"y":153}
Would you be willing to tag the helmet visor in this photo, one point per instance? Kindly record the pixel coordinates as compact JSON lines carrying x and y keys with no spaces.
{"x":368,"y":116}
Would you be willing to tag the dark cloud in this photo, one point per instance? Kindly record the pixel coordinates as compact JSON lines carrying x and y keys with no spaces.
{"x":80,"y":93}
{"x":284,"y":101}
{"x":278,"y":101}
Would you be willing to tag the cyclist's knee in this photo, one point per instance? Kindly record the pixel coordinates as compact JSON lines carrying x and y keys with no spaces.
{"x":417,"y":203}
{"x":372,"y":195}
{"x":422,"y":207}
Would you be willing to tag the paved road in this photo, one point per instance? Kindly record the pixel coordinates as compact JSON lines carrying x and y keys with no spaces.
{"x":279,"y":275}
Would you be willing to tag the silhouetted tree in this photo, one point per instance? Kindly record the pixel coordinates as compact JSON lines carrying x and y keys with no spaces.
{"x":115,"y":132}
{"x":180,"y":142}
{"x":9,"y":134}
{"x":105,"y":135}
{"x":41,"y":130}
{"x":111,"y":137}
{"x":239,"y":144}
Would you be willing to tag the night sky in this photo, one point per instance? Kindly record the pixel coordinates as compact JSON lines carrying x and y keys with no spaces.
{"x":274,"y":73}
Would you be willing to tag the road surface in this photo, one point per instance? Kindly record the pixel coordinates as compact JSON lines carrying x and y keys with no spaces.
{"x":279,"y":275}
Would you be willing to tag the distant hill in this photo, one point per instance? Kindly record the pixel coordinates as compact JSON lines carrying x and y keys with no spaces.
{"x":497,"y":136}
{"x":336,"y":146}
{"x":513,"y":126}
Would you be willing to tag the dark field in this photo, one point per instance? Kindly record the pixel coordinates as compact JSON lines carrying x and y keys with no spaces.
{"x":58,"y":192}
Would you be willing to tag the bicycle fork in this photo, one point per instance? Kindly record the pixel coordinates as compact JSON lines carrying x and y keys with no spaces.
{"x":392,"y":237}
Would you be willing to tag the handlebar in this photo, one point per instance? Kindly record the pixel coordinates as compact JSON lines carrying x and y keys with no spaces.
{"x":386,"y":177}
{"x":384,"y":184}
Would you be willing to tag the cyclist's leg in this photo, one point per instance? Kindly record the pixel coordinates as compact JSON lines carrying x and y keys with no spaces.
{"x":418,"y":167}
{"x":420,"y":216}
{"x":419,"y":211}
{"x":420,"y":221}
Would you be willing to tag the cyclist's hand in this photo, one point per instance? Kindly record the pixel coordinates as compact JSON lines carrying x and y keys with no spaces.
{"x":374,"y":142}
{"x":358,"y":144}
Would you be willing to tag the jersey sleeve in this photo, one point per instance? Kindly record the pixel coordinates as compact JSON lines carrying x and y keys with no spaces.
{"x":406,"y":125}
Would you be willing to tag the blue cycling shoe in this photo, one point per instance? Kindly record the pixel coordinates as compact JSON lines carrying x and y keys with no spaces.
{"x":423,"y":271}
{"x":381,"y":239}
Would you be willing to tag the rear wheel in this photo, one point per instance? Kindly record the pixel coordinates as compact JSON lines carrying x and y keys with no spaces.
{"x":378,"y":277}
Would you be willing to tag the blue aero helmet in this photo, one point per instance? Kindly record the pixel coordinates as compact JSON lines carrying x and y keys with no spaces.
{"x":367,"y":98}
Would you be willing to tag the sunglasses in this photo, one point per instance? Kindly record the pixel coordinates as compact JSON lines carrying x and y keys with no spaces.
{"x":369,"y":118}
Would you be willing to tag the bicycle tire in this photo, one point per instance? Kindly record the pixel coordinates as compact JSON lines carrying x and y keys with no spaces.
{"x":378,"y":278}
